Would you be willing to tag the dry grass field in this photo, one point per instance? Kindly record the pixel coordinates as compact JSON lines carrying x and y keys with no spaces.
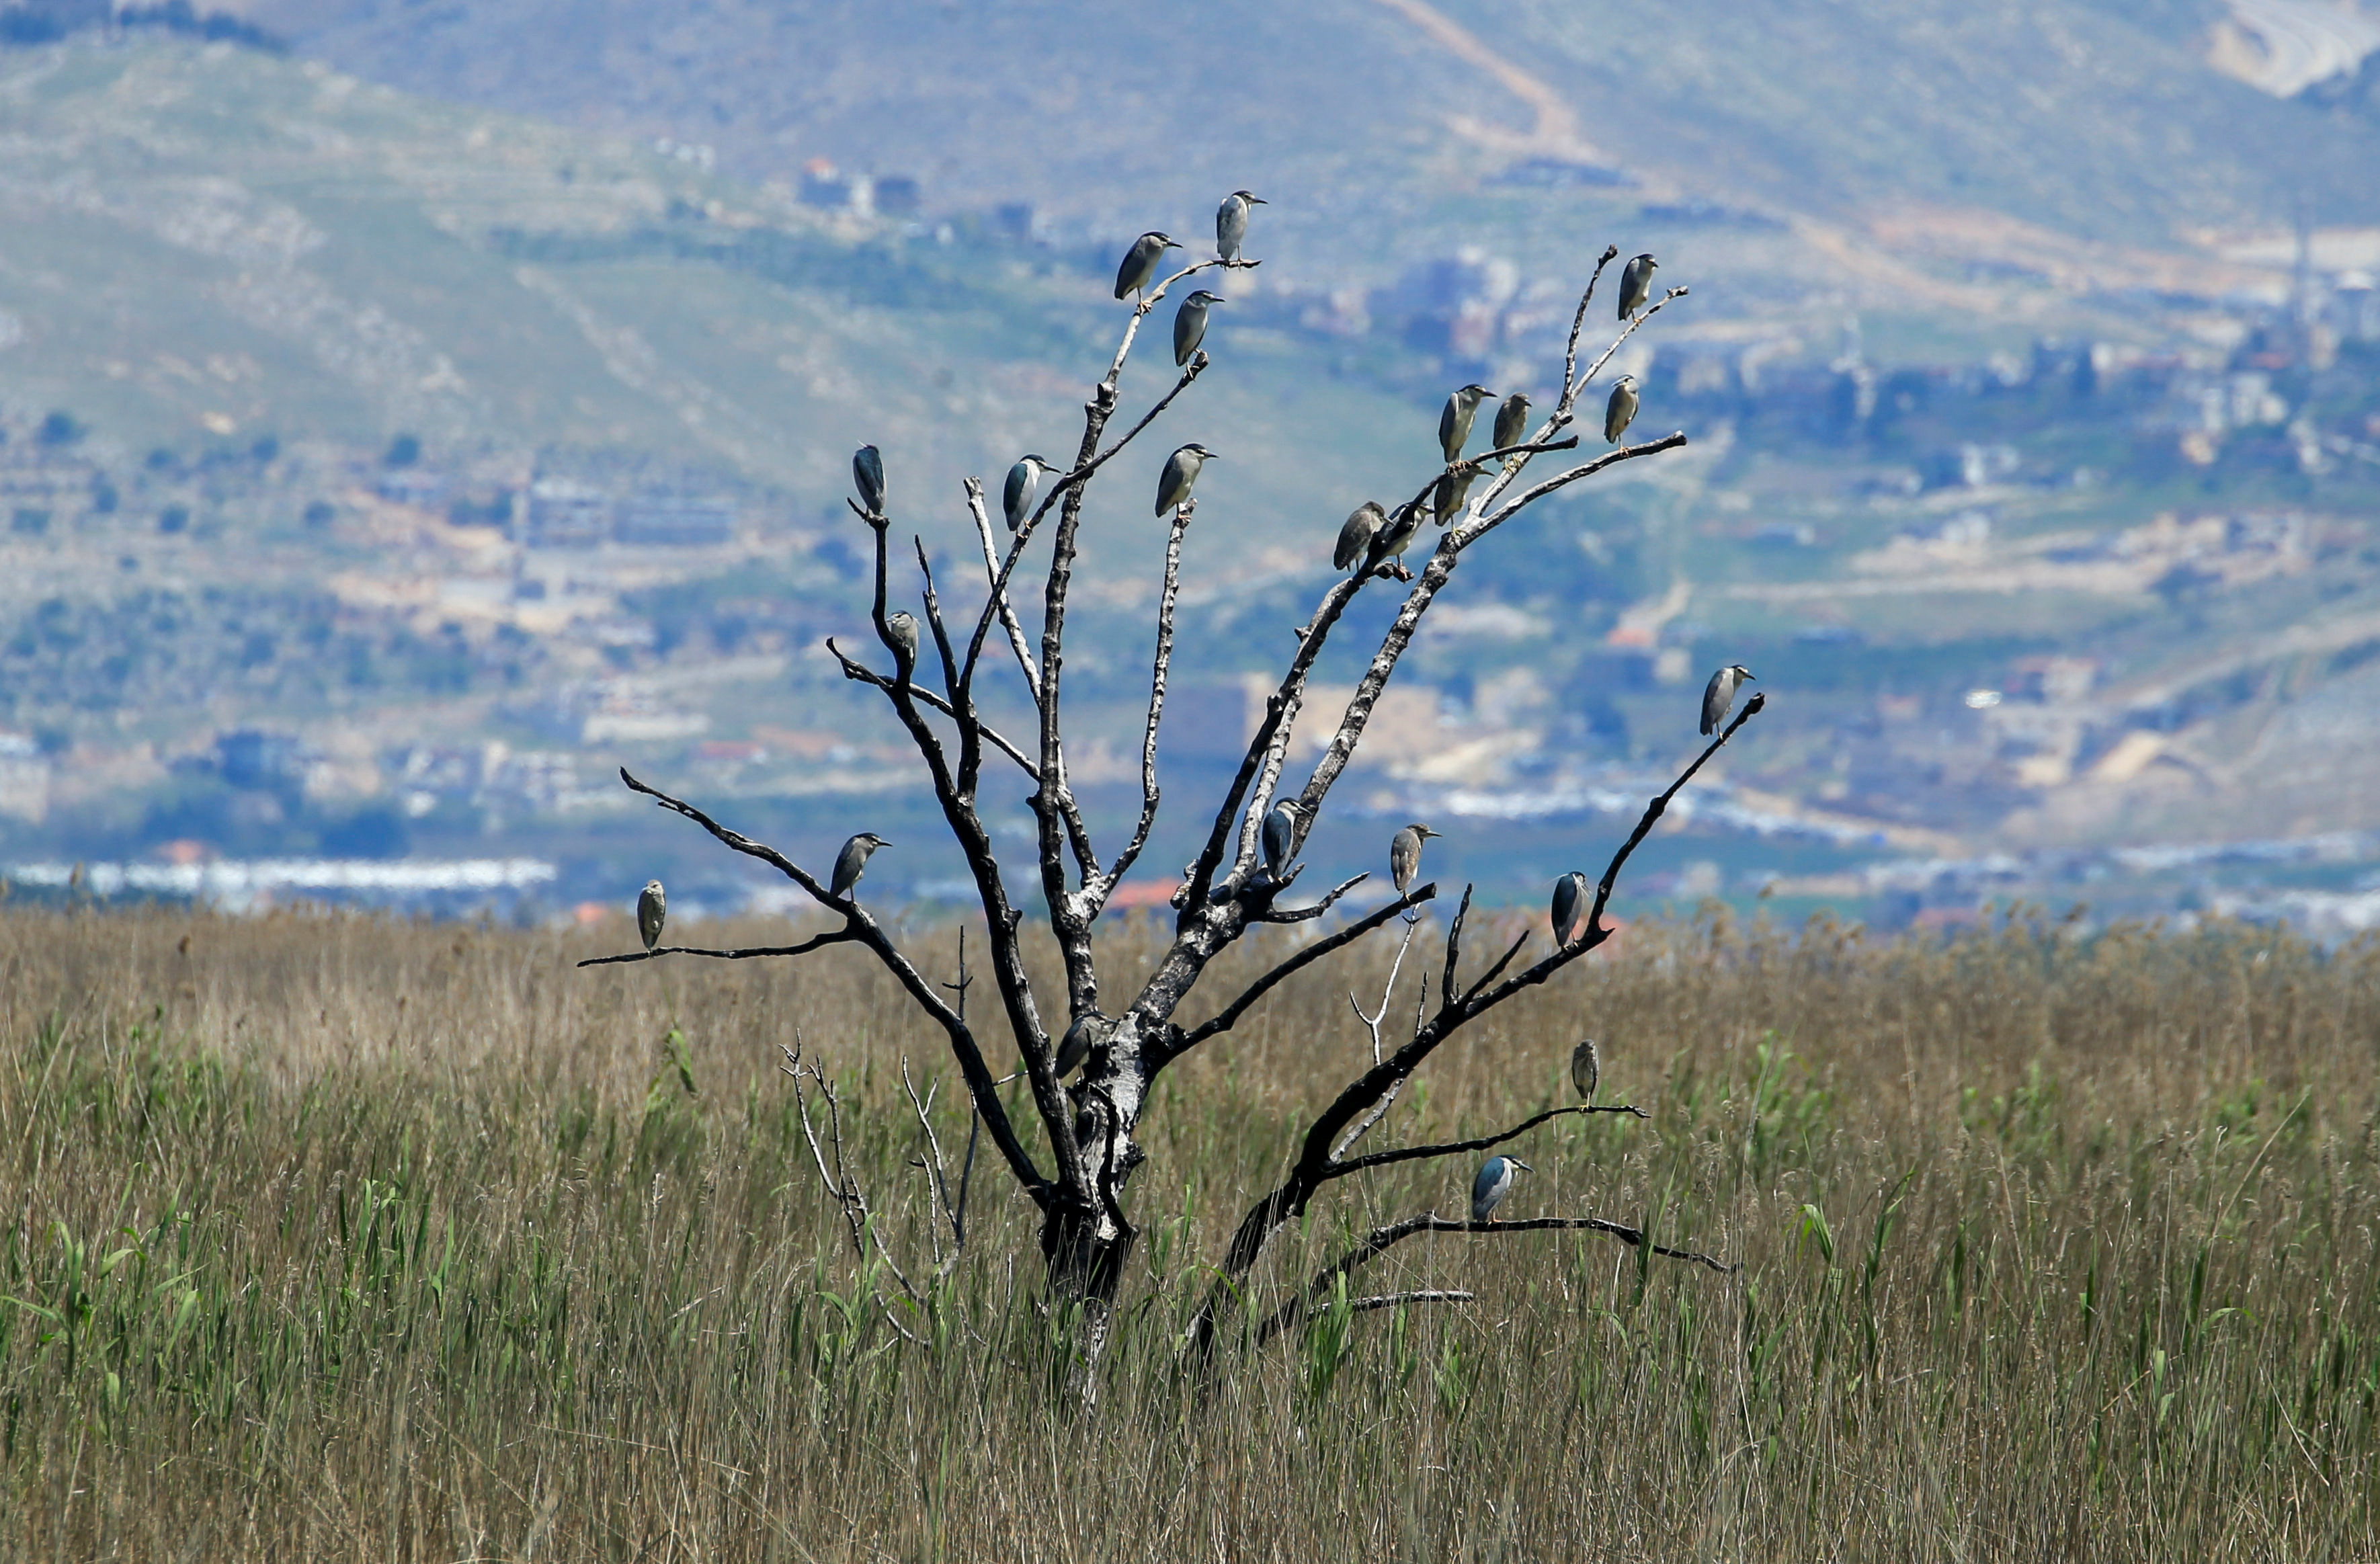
{"x":332,"y":1238}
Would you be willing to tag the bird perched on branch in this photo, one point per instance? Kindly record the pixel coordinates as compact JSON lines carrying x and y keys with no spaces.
{"x":904,"y":626}
{"x":1181,"y":472}
{"x":1512,"y":421}
{"x":1494,"y":1183}
{"x":1389,"y":542}
{"x":1621,"y":411}
{"x":1356,"y":535}
{"x":1017,"y":496}
{"x":1448,"y":495}
{"x":652,"y":911}
{"x":867,"y":472}
{"x":1585,"y":1069}
{"x":1454,"y":422}
{"x":1570,"y":899}
{"x":1190,"y":324}
{"x":1089,"y":1029}
{"x":1405,"y":855}
{"x":852,"y":862}
{"x":1635,"y":284}
{"x":1280,"y":835}
{"x":1140,"y":261}
{"x":1231,"y":223}
{"x":1719,"y":694}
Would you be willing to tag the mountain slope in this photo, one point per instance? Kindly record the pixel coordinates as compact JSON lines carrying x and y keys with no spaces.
{"x":2097,"y":117}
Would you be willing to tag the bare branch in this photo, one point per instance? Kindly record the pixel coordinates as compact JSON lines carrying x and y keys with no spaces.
{"x":1379,"y":1240}
{"x":1229,"y":1016}
{"x":1653,"y":813}
{"x":859,"y":673}
{"x":1069,"y":486}
{"x":996,"y":577}
{"x":941,"y":636}
{"x":1480,"y":1143}
{"x":1494,"y":972}
{"x":1307,"y":914}
{"x":843,"y":936}
{"x":1596,"y":368}
{"x":1577,"y":325}
{"x":1159,"y":666}
{"x":1586,"y":469}
{"x":1379,"y":1109}
{"x":1290,"y":1314}
{"x":861,"y":926}
{"x":1453,"y":949}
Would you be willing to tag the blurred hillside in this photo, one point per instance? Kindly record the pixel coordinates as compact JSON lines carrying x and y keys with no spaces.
{"x":381,"y":468}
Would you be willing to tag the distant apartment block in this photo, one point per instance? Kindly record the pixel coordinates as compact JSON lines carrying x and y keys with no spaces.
{"x":562,"y":514}
{"x":674,"y":521}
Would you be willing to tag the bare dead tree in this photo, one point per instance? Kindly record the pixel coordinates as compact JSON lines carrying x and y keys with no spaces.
{"x":1080,"y":1165}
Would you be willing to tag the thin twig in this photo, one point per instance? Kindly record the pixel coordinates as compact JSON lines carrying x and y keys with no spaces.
{"x":1229,"y":1016}
{"x":1478,"y":1143}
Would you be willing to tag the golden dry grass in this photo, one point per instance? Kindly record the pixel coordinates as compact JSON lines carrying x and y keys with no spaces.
{"x":335,"y":1238}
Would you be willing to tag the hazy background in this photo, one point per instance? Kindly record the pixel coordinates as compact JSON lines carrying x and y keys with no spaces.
{"x":414,"y":412}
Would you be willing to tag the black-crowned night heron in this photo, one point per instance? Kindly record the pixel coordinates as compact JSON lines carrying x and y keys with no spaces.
{"x":1494,"y":1183}
{"x":1635,"y":284}
{"x":1448,"y":496}
{"x":1585,"y":1069}
{"x":1232,"y":223}
{"x":652,"y":911}
{"x":1181,"y":472}
{"x":1190,"y":324}
{"x":1140,"y":266}
{"x":1389,"y":542}
{"x":1024,"y":486}
{"x":852,"y":862}
{"x":1089,"y":1029}
{"x":1454,"y":422}
{"x":1405,"y":855}
{"x":1570,"y":899}
{"x":1719,"y":695}
{"x":904,"y":626}
{"x":1280,"y":835}
{"x":1621,"y":411}
{"x":1355,"y":535}
{"x":867,"y":472}
{"x":1511,"y":420}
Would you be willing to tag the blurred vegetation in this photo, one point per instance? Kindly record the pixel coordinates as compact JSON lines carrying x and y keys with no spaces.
{"x":332,"y":1238}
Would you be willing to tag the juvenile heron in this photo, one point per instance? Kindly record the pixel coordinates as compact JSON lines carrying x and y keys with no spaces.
{"x":1023,"y":487}
{"x":1494,"y":1183}
{"x":1389,"y":542}
{"x":1635,"y":284}
{"x":1090,"y":1028}
{"x":1455,"y":422}
{"x":1585,"y":1069}
{"x":1448,"y":496}
{"x":1570,"y":899}
{"x":1180,"y":471}
{"x":904,"y":626}
{"x":652,"y":911}
{"x":1405,"y":855}
{"x":1719,"y":694}
{"x":1280,"y":835}
{"x":1190,"y":324}
{"x":852,"y":862}
{"x":1511,"y":420}
{"x":1140,"y":261}
{"x":867,"y":472}
{"x":1621,"y":411}
{"x":1232,"y":223}
{"x":1355,"y":535}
